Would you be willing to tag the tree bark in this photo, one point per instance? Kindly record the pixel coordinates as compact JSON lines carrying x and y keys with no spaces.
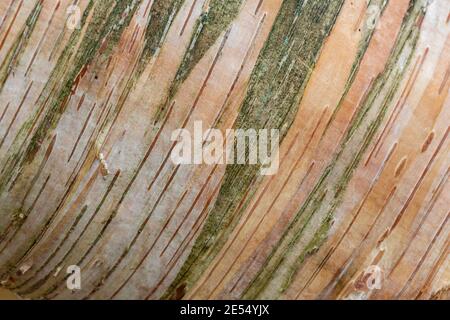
{"x":92,"y":91}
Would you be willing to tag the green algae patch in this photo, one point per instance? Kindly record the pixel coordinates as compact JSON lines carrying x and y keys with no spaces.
{"x":107,"y":25}
{"x":162,"y":13}
{"x":274,"y":92}
{"x":16,"y":50}
{"x":109,"y":18}
{"x":211,"y":24}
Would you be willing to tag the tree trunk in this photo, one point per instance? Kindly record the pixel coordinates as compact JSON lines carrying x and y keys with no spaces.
{"x":91,"y":93}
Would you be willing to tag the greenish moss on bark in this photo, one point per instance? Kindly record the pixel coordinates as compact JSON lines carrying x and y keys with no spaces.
{"x":16,"y":50}
{"x":109,"y":19}
{"x":211,"y":24}
{"x":162,"y":13}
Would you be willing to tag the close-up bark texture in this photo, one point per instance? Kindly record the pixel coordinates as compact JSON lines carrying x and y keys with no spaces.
{"x":91,"y":92}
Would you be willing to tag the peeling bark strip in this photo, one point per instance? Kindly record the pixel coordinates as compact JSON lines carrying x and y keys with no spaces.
{"x":357,"y":210}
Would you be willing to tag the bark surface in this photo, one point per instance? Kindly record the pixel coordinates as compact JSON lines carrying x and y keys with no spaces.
{"x":91,"y":91}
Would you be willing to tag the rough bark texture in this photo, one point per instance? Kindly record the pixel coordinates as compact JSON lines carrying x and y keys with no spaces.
{"x":86,"y":116}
